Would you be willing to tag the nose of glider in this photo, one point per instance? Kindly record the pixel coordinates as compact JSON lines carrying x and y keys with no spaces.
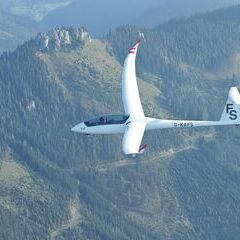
{"x":79,"y":127}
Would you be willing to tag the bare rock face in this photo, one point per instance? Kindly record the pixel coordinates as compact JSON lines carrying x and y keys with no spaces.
{"x":62,"y":39}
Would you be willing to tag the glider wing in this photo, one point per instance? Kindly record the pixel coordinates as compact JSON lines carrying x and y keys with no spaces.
{"x":133,"y":137}
{"x":130,"y":94}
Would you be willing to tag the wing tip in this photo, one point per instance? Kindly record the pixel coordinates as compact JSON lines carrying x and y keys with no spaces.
{"x":143,"y":148}
{"x":133,"y":50}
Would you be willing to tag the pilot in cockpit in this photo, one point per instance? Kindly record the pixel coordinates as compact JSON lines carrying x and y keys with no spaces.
{"x":102,"y":120}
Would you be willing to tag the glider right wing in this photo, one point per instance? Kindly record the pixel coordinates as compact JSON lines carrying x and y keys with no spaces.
{"x":130,"y":94}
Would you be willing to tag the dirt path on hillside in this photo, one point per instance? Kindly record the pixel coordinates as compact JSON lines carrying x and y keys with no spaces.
{"x":75,"y":220}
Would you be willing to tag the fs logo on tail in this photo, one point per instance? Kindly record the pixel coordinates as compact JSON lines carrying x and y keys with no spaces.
{"x":231,"y":111}
{"x":232,"y":107}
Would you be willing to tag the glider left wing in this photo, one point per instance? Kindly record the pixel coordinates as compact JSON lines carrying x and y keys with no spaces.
{"x":133,"y":137}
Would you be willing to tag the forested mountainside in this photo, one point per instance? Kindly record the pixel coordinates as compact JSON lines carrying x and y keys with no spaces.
{"x":169,"y":9}
{"x":56,"y":184}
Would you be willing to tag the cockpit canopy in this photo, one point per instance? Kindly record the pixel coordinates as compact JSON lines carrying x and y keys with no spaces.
{"x":107,"y":120}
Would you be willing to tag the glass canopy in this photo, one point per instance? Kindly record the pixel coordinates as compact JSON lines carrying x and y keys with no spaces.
{"x":107,"y":120}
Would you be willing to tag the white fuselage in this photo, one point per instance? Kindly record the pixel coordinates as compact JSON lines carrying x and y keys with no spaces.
{"x":151,"y":124}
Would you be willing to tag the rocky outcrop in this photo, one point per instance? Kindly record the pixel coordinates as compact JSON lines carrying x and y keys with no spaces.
{"x":62,"y":38}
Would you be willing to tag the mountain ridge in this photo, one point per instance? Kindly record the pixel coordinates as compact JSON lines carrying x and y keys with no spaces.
{"x":82,"y":187}
{"x":142,"y":14}
{"x":15,"y":30}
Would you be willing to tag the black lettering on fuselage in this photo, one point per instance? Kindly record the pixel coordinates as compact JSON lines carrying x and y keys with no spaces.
{"x":183,"y":124}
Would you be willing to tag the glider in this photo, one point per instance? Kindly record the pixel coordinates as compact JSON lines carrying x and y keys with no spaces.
{"x":133,"y":123}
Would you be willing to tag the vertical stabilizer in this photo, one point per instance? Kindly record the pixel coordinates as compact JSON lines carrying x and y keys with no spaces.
{"x":231,"y":112}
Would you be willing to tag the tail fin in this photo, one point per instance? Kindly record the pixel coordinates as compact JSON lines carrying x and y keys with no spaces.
{"x":231,"y":112}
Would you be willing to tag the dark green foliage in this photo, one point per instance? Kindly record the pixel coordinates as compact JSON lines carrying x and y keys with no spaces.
{"x":197,"y":41}
{"x":77,"y":187}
